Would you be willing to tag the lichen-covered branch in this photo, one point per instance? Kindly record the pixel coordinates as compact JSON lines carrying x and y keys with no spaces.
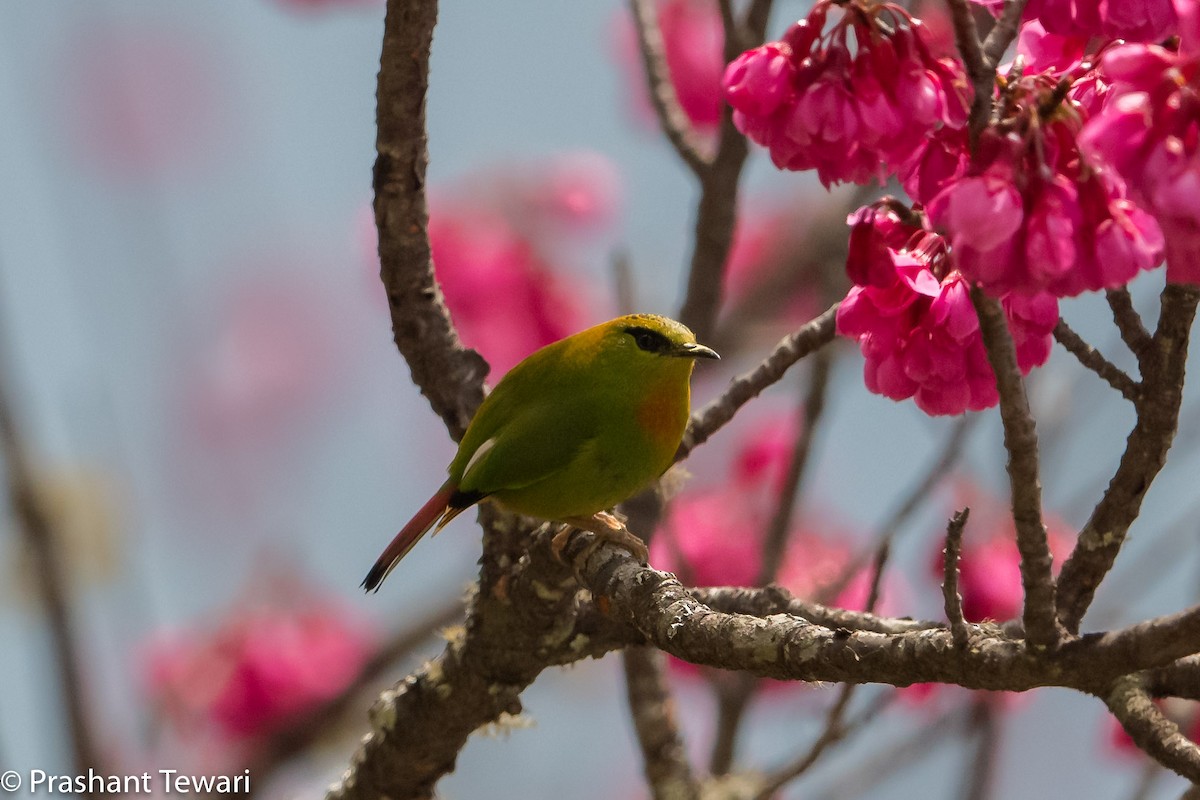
{"x":951,"y":599}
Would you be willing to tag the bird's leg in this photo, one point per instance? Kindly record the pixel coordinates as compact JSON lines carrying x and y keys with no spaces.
{"x":607,"y":528}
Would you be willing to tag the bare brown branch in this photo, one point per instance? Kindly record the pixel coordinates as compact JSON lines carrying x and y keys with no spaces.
{"x":1129,"y":323}
{"x":1145,"y":455}
{"x":744,"y":388}
{"x":981,"y":73}
{"x":448,"y":374}
{"x":667,"y":769}
{"x":1020,"y":440}
{"x":1150,"y":729}
{"x":1003,"y":33}
{"x":1094,"y":360}
{"x":671,"y":118}
{"x":951,"y":599}
{"x":50,"y":581}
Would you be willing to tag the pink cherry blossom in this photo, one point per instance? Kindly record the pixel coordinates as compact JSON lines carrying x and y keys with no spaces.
{"x":854,"y":114}
{"x":1030,"y":212}
{"x":1148,"y":21}
{"x":571,"y":193}
{"x":504,"y":299}
{"x":1148,"y":132}
{"x":919,"y":333}
{"x":257,"y":670}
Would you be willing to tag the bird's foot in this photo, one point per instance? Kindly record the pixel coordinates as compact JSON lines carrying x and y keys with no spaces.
{"x":607,"y":528}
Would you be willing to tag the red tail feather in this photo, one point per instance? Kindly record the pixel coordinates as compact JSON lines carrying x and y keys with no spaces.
{"x":409,"y":535}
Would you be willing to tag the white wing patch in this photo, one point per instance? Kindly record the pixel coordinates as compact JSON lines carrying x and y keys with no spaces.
{"x":479,"y":453}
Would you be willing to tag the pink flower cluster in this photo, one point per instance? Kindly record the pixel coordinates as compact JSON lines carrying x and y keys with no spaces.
{"x":914,"y":321}
{"x":852,"y":114}
{"x":1030,"y":214}
{"x":1142,"y":21}
{"x":258,"y":670}
{"x":1148,"y":131}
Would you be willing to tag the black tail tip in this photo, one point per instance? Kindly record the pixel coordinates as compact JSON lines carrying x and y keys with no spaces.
{"x":373,"y":579}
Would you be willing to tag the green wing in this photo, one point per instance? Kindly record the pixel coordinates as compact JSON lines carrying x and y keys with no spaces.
{"x":529,"y":446}
{"x":531,"y":426}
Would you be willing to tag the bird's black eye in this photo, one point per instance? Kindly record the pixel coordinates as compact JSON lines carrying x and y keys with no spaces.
{"x":649,"y":340}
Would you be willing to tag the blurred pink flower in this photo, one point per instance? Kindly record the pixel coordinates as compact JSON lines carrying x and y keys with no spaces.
{"x":693,"y":41}
{"x":854,"y":114}
{"x":271,"y":356}
{"x":572,"y":193}
{"x":142,"y":98}
{"x":505,"y":301}
{"x":257,"y":670}
{"x":990,"y":564}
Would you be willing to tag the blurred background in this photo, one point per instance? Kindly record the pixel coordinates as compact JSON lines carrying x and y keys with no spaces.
{"x":205,"y":402}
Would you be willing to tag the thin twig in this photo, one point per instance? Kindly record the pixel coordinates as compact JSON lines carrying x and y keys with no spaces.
{"x":666,"y":765}
{"x":1020,"y":440}
{"x":775,"y":542}
{"x":716,"y":212}
{"x":1003,"y":33}
{"x":982,"y":75}
{"x":951,"y":599}
{"x":1129,"y":323}
{"x":938,"y":470}
{"x":905,"y":753}
{"x":1094,"y":360}
{"x":671,"y":117}
{"x":50,"y":579}
{"x":811,"y":337}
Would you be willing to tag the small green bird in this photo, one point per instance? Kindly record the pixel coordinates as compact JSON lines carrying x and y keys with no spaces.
{"x":574,"y":429}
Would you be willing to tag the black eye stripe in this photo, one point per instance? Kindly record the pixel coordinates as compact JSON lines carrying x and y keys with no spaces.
{"x":649,"y":340}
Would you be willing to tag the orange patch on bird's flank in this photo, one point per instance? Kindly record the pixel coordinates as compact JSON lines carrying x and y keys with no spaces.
{"x":658,"y":415}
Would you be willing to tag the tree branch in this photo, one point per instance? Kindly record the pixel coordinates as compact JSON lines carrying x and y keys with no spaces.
{"x":50,"y":581}
{"x":1094,"y":360}
{"x":812,"y":336}
{"x":1020,"y":440}
{"x":981,"y":73}
{"x":1145,"y":454}
{"x":1150,"y":729}
{"x":448,"y":374}
{"x":667,"y":769}
{"x":1129,"y":323}
{"x":716,"y":213}
{"x":951,"y":599}
{"x":1003,"y":33}
{"x":671,"y":117}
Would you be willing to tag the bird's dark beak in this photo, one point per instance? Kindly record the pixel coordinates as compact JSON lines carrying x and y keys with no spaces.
{"x":697,"y":350}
